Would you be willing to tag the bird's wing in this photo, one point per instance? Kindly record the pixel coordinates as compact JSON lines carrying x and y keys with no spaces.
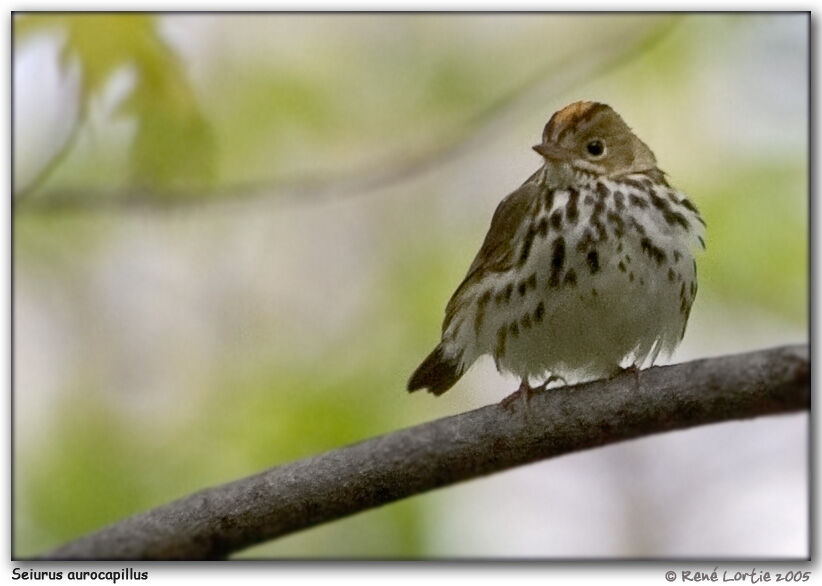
{"x":496,"y":253}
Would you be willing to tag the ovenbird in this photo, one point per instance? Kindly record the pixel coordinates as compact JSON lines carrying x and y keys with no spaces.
{"x":587,"y":267}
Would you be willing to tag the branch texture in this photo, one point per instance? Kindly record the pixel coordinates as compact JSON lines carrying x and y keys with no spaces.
{"x":218,"y":521}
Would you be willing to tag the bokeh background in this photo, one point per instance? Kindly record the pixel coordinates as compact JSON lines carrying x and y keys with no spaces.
{"x":234,"y":237}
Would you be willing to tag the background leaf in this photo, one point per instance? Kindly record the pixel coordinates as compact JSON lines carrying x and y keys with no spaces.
{"x":173,"y":144}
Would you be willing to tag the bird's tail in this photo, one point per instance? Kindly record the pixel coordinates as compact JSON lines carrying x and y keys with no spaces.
{"x":437,"y":373}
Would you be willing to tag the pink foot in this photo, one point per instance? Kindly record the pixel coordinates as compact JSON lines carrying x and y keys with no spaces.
{"x":523,"y":393}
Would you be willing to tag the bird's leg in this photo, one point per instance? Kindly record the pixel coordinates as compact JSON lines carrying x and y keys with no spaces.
{"x":524,"y":392}
{"x":635,"y":370}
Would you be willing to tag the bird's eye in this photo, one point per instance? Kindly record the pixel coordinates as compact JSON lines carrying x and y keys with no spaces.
{"x":595,"y":148}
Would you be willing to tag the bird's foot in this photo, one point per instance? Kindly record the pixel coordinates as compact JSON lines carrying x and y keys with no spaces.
{"x":523,"y":393}
{"x":635,"y":370}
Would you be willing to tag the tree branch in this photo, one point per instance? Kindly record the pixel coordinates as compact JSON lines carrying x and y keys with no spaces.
{"x":218,"y":521}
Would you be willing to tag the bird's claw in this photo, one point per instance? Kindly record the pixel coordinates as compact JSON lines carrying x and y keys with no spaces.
{"x":633,"y":369}
{"x":523,"y":393}
{"x":526,"y":391}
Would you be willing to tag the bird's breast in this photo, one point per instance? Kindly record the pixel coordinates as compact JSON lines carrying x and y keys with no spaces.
{"x":600,"y":273}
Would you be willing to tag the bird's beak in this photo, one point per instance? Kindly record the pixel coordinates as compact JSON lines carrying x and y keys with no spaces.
{"x":552,"y":151}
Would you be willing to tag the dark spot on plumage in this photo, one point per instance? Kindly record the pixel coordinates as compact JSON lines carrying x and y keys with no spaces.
{"x":481,"y":303}
{"x":692,"y":286}
{"x":521,"y":288}
{"x":532,"y":281}
{"x":677,"y":218}
{"x":592,"y":258}
{"x":539,"y":312}
{"x":658,"y":202}
{"x":637,"y":201}
{"x":631,"y":276}
{"x":542,"y":228}
{"x":596,"y":221}
{"x":677,"y":256}
{"x":556,"y":219}
{"x":640,"y":229}
{"x":621,"y":266}
{"x":586,"y":241}
{"x":672,"y":197}
{"x":683,"y":306}
{"x":526,"y":245}
{"x":671,"y":216}
{"x":514,"y":329}
{"x":619,"y":201}
{"x":504,"y":294}
{"x":618,"y":223}
{"x":682,"y":291}
{"x":652,"y":251}
{"x":594,"y":292}
{"x":701,"y":242}
{"x":549,"y":200}
{"x":525,"y":321}
{"x":599,"y":207}
{"x":687,"y":203}
{"x":557,"y":261}
{"x":632,"y":183}
{"x":499,"y":350}
{"x":641,"y":281}
{"x":570,"y":278}
{"x":671,"y":275}
{"x":588,"y":200}
{"x":602,"y":233}
{"x":602,"y":191}
{"x":619,"y":246}
{"x":571,"y":209}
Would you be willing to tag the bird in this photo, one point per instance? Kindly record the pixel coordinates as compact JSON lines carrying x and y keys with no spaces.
{"x":587,"y":269}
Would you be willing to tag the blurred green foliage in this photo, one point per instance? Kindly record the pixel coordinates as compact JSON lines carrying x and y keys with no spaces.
{"x":351,"y":101}
{"x":758,"y":238}
{"x":173,"y":145}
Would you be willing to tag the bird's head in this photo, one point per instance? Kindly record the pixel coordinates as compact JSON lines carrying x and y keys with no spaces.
{"x":591,"y":137}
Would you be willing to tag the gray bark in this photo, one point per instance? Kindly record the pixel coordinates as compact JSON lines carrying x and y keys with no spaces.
{"x":217,"y":521}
